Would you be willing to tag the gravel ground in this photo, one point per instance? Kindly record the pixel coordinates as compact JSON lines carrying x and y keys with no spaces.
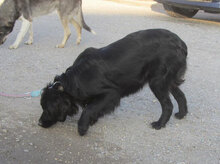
{"x":124,"y":136}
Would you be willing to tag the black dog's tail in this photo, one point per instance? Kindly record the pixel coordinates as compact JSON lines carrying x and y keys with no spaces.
{"x":181,"y":72}
{"x":180,"y":76}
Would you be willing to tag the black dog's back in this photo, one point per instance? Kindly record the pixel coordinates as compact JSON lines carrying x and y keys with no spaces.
{"x":130,"y":62}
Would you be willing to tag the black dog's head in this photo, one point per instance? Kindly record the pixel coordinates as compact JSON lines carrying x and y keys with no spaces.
{"x":56,"y":105}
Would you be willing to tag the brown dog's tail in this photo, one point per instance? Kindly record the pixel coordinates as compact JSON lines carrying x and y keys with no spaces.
{"x":85,"y":26}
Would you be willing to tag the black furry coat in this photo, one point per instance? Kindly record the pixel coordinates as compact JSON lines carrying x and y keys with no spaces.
{"x":125,"y":65}
{"x":99,"y":77}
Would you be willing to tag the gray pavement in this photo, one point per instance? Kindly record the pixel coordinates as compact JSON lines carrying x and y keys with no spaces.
{"x":124,"y":136}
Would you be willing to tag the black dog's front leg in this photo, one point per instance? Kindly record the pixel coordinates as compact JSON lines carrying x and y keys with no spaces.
{"x":97,"y":108}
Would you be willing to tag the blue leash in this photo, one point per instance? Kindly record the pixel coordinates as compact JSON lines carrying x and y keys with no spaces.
{"x":25,"y":95}
{"x":36,"y":93}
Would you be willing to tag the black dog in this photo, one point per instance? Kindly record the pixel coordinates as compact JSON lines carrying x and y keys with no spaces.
{"x":99,"y":78}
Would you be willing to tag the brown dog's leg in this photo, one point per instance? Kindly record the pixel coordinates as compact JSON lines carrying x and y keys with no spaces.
{"x":78,"y":30}
{"x":67,"y":32}
{"x":31,"y":38}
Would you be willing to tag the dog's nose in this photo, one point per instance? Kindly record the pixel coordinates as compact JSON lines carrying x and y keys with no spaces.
{"x":40,"y":123}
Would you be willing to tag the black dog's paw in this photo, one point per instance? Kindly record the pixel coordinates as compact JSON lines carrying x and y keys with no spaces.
{"x":180,"y":115}
{"x":156,"y":125}
{"x":82,"y":130}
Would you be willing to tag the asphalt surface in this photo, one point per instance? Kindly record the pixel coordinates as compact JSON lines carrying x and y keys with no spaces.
{"x":126,"y":135}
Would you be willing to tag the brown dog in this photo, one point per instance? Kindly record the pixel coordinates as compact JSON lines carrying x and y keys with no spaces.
{"x":69,"y":11}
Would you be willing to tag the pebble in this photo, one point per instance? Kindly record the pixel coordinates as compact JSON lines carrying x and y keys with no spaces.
{"x":4,"y":130}
{"x":26,"y":151}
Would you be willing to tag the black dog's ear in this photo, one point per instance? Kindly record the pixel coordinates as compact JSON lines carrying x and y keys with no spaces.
{"x":57,"y":78}
{"x":57,"y":85}
{"x":64,"y":109}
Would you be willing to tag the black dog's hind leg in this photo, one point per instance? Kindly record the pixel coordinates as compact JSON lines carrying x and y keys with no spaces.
{"x":161,"y":91}
{"x":181,"y":100}
{"x":98,"y":107}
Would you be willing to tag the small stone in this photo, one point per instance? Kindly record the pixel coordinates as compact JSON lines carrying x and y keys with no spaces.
{"x":4,"y":130}
{"x":26,"y":151}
